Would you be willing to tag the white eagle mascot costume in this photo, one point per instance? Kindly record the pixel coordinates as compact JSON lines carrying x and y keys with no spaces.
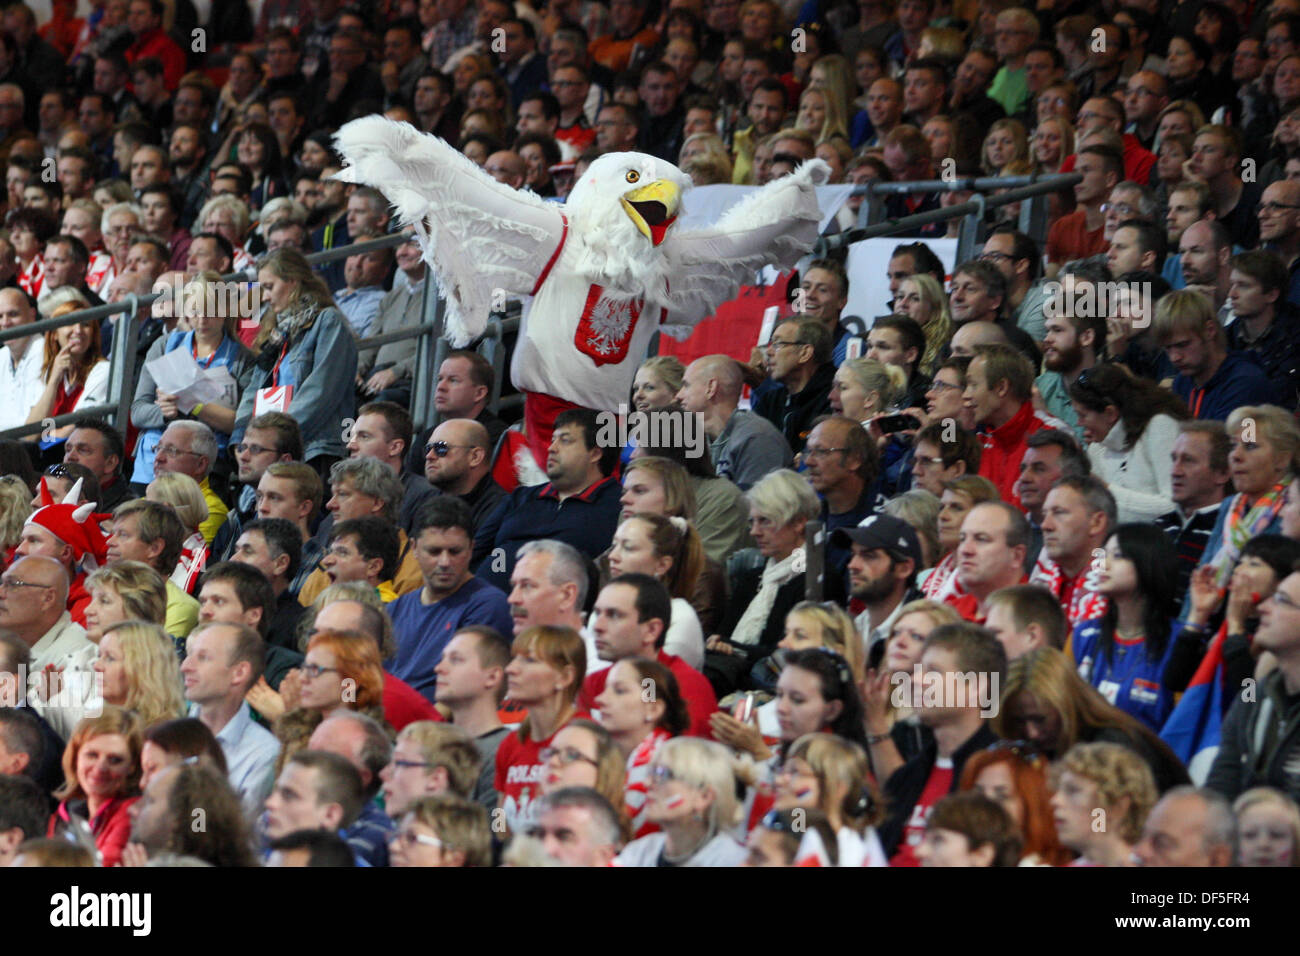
{"x":604,"y":271}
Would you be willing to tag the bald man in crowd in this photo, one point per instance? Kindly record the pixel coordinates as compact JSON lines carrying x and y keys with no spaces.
{"x":744,"y":446}
{"x":973,"y":334}
{"x":507,"y":166}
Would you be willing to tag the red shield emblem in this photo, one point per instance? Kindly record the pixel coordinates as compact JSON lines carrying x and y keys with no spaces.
{"x":606,"y":326}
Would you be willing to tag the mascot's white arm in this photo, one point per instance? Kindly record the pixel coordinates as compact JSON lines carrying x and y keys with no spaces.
{"x":482,"y":238}
{"x":776,"y":225}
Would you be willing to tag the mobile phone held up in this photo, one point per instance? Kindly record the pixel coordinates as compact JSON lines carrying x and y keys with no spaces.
{"x":889,"y":424}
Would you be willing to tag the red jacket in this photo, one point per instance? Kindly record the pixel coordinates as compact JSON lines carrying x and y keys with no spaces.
{"x":78,"y":599}
{"x":159,"y":44}
{"x":403,"y":704}
{"x":1138,"y":160}
{"x":1004,"y":447}
{"x":694,"y":686}
{"x":111,"y":827}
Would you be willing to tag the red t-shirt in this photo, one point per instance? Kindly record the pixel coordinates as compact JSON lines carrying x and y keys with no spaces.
{"x":1070,"y":238}
{"x":938,"y":785}
{"x":403,"y":704}
{"x":694,"y":686}
{"x":520,"y":771}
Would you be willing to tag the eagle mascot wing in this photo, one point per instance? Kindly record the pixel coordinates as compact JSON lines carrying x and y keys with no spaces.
{"x":484,"y":238}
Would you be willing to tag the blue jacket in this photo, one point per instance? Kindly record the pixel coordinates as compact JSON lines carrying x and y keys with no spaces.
{"x":586,"y":521}
{"x":1239,"y":381}
{"x":1130,"y":680}
{"x":322,"y":367}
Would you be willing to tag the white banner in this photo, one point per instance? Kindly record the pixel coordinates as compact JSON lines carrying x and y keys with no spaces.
{"x":868,"y":269}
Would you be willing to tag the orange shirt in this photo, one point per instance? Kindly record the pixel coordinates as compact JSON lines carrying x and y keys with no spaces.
{"x":615,"y":54}
{"x":1069,"y":238}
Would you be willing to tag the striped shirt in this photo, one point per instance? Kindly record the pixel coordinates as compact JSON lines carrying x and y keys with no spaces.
{"x":1190,"y":536}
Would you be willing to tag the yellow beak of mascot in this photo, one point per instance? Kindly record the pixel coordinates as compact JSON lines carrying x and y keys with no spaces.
{"x":652,"y":207}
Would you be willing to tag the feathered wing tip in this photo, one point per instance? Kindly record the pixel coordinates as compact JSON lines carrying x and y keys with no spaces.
{"x":422,"y":175}
{"x":756,"y":209}
{"x":526,"y":467}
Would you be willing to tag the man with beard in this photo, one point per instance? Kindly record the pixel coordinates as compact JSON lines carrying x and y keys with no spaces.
{"x":1070,"y":347}
{"x":886,"y":556}
{"x":842,"y":468}
{"x":1206,"y":252}
{"x":458,"y":461}
{"x":187,"y":152}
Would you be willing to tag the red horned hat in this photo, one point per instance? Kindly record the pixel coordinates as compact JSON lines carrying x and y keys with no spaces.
{"x":75,"y":525}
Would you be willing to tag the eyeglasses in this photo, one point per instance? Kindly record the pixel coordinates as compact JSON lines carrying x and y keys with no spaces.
{"x":1123,"y":208}
{"x":171,"y":450}
{"x":1272,"y":207}
{"x":408,"y":764}
{"x":939,"y":386}
{"x":313,"y":671}
{"x":441,"y":448}
{"x":409,"y":839}
{"x":772,"y":346}
{"x":928,"y":462}
{"x":567,"y":756}
{"x":995,"y":256}
{"x":816,"y":451}
{"x":58,"y":471}
{"x":8,"y":582}
{"x":244,"y":446}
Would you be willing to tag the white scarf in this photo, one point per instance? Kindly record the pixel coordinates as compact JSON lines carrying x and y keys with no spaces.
{"x":775,"y":574}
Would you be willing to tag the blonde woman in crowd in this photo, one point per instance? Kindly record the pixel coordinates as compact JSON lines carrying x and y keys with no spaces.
{"x":186,"y":498}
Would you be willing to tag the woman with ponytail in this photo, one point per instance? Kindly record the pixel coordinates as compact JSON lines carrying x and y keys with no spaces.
{"x":668,"y":549}
{"x":1130,"y":425}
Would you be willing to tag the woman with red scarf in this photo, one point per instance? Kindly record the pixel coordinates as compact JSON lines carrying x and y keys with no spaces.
{"x":75,"y":370}
{"x":101,"y":766}
{"x":639,"y":725}
{"x":1265,"y":446}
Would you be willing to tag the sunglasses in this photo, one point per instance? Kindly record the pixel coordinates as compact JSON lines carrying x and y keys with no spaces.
{"x":442,"y":448}
{"x":1026,"y":750}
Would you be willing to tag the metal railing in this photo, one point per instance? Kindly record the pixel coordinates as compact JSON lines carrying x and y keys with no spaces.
{"x":1031,"y":191}
{"x":121,"y":375}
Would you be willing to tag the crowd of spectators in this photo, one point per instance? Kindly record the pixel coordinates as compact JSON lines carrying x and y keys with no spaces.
{"x":933,"y":593}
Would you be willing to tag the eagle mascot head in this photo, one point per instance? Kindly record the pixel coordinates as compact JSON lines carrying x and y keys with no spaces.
{"x":621,"y":211}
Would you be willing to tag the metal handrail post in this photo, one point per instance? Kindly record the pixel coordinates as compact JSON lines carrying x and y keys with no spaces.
{"x":121,"y":369}
{"x":1033,"y":218}
{"x":969,"y":236}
